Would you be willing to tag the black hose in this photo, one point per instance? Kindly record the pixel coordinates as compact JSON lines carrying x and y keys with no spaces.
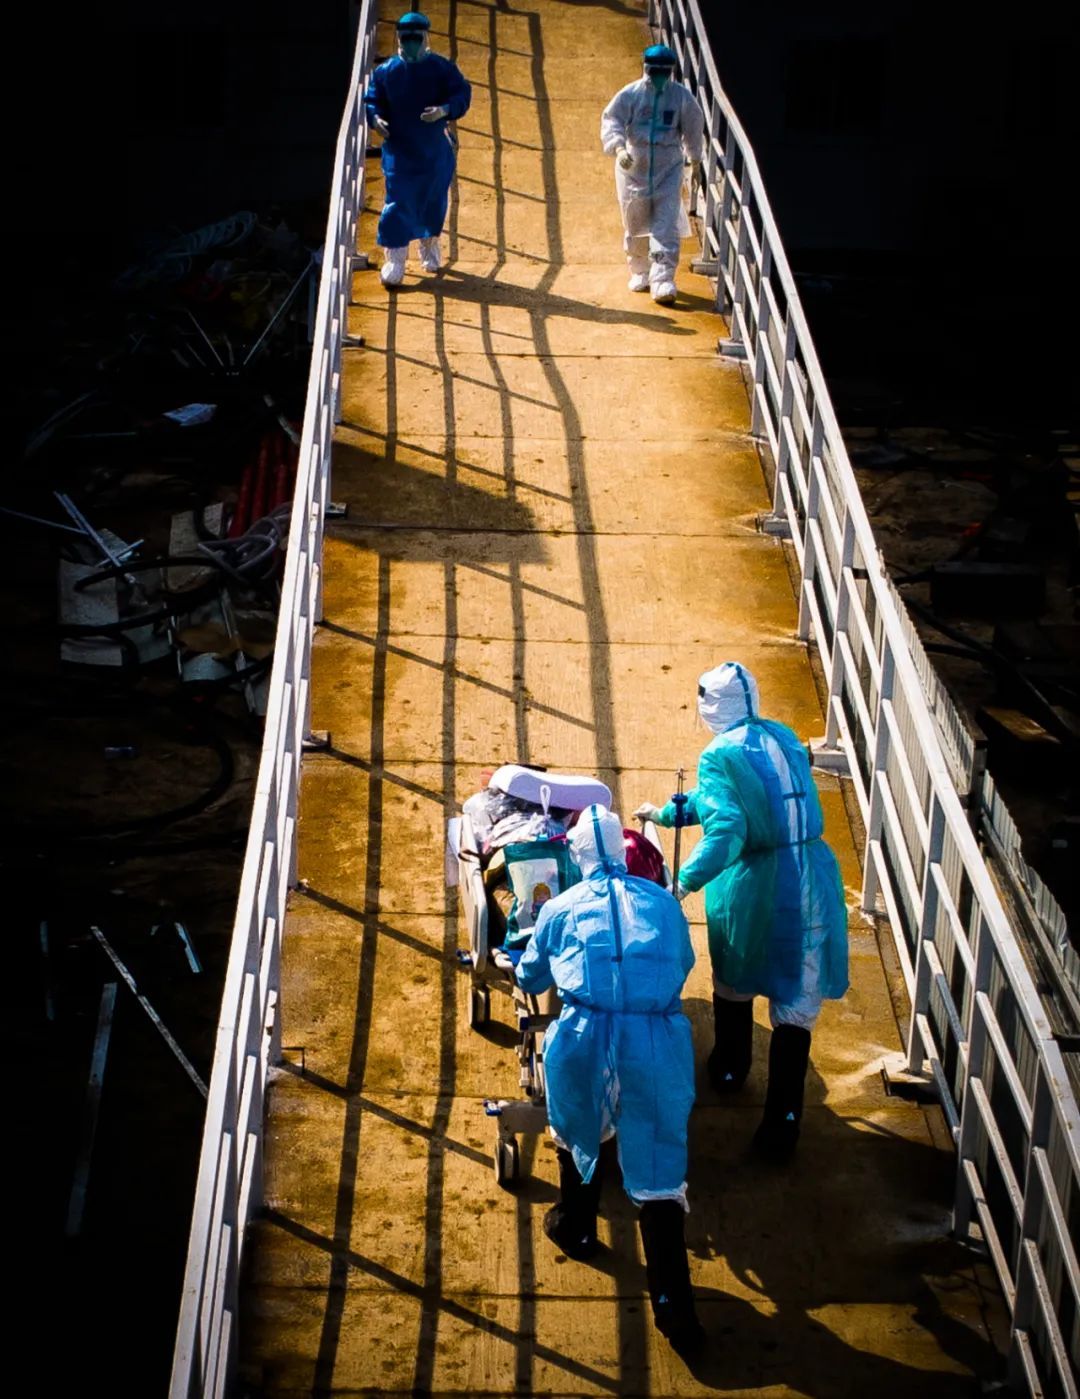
{"x":118,"y":570}
{"x":107,"y":631}
{"x":198,"y":522}
{"x":255,"y":582}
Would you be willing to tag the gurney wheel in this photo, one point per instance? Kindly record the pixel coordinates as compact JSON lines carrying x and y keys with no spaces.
{"x":479,"y":1007}
{"x":507,"y":1161}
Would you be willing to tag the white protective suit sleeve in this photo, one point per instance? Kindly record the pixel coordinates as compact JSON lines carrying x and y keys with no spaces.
{"x":613,"y":133}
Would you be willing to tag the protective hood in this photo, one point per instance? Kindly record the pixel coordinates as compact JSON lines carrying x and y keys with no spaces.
{"x":726,"y":695}
{"x":596,"y":842}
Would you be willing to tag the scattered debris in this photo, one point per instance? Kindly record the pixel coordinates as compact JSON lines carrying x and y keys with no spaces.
{"x":185,"y":940}
{"x":192,"y":414}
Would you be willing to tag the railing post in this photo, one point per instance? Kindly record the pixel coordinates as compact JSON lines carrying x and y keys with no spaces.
{"x":724,"y":301}
{"x":1034,"y":1204}
{"x":337,"y":277}
{"x":712,"y":124}
{"x":299,"y":730}
{"x":762,"y":321}
{"x":739,"y":280}
{"x":321,"y":502}
{"x":963,"y":1204}
{"x":274,"y":999}
{"x":811,"y":510}
{"x":881,"y":752}
{"x":844,"y":586}
{"x":927,"y":926}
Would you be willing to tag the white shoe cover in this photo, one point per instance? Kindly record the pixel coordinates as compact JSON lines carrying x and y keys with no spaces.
{"x":664,"y":293}
{"x":639,"y":281}
{"x":430,"y":254}
{"x":393,"y":268}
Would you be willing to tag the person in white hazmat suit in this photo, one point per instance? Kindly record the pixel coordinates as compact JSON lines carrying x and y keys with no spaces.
{"x":651,"y":127}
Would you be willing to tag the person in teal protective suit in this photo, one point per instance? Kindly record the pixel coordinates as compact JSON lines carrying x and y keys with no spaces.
{"x":619,"y":1060}
{"x":652,"y":127}
{"x":409,"y":101}
{"x":774,"y":899}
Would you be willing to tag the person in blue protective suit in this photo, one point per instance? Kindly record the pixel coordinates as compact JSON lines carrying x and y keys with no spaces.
{"x":652,"y":127}
{"x":619,"y":1060}
{"x":409,"y":101}
{"x":774,"y":899}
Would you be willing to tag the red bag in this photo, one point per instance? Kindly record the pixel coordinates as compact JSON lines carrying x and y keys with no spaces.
{"x":642,"y":857}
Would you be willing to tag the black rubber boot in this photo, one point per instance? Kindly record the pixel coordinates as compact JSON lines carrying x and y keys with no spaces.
{"x":668,"y":1272}
{"x":789,"y":1054}
{"x":571,"y":1224}
{"x":729,"y":1063}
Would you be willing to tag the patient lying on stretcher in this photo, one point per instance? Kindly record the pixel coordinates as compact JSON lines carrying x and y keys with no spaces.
{"x":520,"y":821}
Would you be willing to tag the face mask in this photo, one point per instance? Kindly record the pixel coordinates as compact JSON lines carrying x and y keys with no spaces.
{"x":411,"y":45}
{"x":659,"y":80}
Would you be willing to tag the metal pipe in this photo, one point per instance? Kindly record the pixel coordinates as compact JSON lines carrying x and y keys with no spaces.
{"x":88,"y":529}
{"x":680,"y":799}
{"x":77,"y":1200}
{"x":40,"y":520}
{"x":156,"y":1019}
{"x":281,"y":309}
{"x":209,"y":343}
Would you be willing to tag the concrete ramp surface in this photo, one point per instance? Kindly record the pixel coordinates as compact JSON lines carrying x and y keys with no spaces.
{"x":552,"y":501}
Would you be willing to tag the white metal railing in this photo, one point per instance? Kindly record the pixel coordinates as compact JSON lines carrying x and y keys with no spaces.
{"x":229,"y":1185}
{"x":1008,"y":1088}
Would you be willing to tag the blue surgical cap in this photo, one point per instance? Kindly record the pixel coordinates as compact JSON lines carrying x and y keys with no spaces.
{"x":659,"y":56}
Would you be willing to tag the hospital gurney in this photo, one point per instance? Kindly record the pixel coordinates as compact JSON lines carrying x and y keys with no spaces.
{"x":492,"y":969}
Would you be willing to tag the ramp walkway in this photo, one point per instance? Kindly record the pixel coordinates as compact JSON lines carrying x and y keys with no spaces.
{"x":552,"y":500}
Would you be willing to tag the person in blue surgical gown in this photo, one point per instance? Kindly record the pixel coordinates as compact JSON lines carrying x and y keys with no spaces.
{"x":619,"y":1060}
{"x":409,"y":101}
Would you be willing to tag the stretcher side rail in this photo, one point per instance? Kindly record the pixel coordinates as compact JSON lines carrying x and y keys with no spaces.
{"x":979,"y":1032}
{"x":492,"y":968}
